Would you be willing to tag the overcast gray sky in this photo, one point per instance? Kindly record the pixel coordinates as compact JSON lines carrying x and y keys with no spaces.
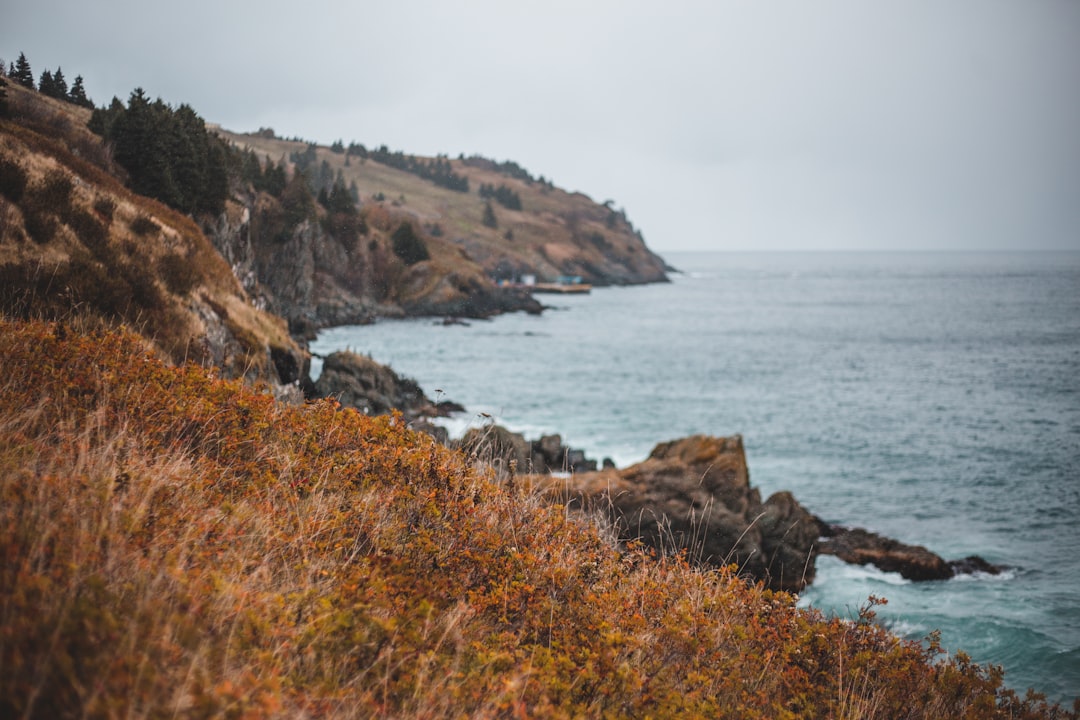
{"x":734,"y":125}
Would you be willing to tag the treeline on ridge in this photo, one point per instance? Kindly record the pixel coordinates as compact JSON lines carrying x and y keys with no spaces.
{"x":438,"y":171}
{"x":51,"y":84}
{"x":507,"y":167}
{"x":167,"y":152}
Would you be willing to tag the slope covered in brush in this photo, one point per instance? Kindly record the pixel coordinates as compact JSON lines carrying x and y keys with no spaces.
{"x":174,"y":544}
{"x":75,"y":239}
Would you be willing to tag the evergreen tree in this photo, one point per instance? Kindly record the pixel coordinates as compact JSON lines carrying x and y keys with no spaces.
{"x":297,"y":202}
{"x":141,"y":148}
{"x":251,"y":170}
{"x":77,"y":95}
{"x":187,"y":145}
{"x":325,"y":178}
{"x":102,"y":119}
{"x":168,"y":154}
{"x":489,"y":218}
{"x":45,"y":84}
{"x":340,"y":199}
{"x":3,"y":99}
{"x":22,"y":73}
{"x":60,"y":86}
{"x":409,"y":246}
{"x":215,"y":188}
{"x":275,"y":178}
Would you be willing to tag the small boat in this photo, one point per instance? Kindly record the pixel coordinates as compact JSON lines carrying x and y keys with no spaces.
{"x":562,"y":288}
{"x":564,"y":284}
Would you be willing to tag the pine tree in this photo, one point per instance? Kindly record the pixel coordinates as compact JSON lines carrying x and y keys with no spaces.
{"x":215,"y":188}
{"x":45,"y":84}
{"x":22,"y":73}
{"x":3,"y":99}
{"x":339,"y":199}
{"x":275,"y":178}
{"x":140,"y":147}
{"x":77,"y":94}
{"x":489,"y":218}
{"x":60,"y":86}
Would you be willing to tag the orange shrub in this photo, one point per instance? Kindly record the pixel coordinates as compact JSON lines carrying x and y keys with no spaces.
{"x":177,"y":545}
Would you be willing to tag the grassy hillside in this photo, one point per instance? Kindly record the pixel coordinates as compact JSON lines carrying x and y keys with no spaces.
{"x":553,"y":233}
{"x":176,"y":545}
{"x":75,"y":241}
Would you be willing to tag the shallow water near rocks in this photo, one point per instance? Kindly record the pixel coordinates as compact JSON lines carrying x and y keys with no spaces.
{"x":934,"y":398}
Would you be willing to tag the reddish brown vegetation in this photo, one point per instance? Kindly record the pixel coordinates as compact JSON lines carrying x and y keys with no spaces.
{"x":173,"y":544}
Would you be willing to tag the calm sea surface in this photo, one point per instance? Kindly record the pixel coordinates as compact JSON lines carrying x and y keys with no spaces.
{"x":934,"y":398}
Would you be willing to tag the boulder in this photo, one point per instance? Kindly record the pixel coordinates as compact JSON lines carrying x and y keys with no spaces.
{"x":789,"y":535}
{"x":508,"y":452}
{"x":694,"y":495}
{"x":913,"y":562}
{"x":500,"y":447}
{"x":359,"y":382}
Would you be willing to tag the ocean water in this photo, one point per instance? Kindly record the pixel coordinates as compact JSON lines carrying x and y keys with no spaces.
{"x":934,"y":398}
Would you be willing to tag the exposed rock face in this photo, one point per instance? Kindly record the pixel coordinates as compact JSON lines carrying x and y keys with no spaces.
{"x":508,"y":452}
{"x":302,"y":275}
{"x":358,"y":381}
{"x":315,"y":280}
{"x":694,"y":494}
{"x":914,"y":562}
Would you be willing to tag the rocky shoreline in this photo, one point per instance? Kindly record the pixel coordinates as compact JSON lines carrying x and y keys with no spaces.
{"x":690,"y":496}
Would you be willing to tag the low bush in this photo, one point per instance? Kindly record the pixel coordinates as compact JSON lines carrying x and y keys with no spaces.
{"x":105,"y":207}
{"x":90,"y":232}
{"x":409,"y":246}
{"x":143,"y":225}
{"x":178,"y":273}
{"x":12,"y":180}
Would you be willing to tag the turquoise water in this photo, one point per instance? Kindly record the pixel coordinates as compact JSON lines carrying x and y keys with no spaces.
{"x":934,"y":398}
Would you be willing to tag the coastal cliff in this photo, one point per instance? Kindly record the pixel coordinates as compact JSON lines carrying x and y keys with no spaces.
{"x":479,"y":227}
{"x":314,"y":278}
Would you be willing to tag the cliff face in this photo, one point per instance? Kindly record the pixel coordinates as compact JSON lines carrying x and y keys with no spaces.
{"x":314,"y":278}
{"x":323,"y":277}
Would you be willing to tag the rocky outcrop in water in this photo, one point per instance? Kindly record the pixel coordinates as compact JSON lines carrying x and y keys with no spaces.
{"x":694,"y":495}
{"x":359,"y":382}
{"x":914,"y":562}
